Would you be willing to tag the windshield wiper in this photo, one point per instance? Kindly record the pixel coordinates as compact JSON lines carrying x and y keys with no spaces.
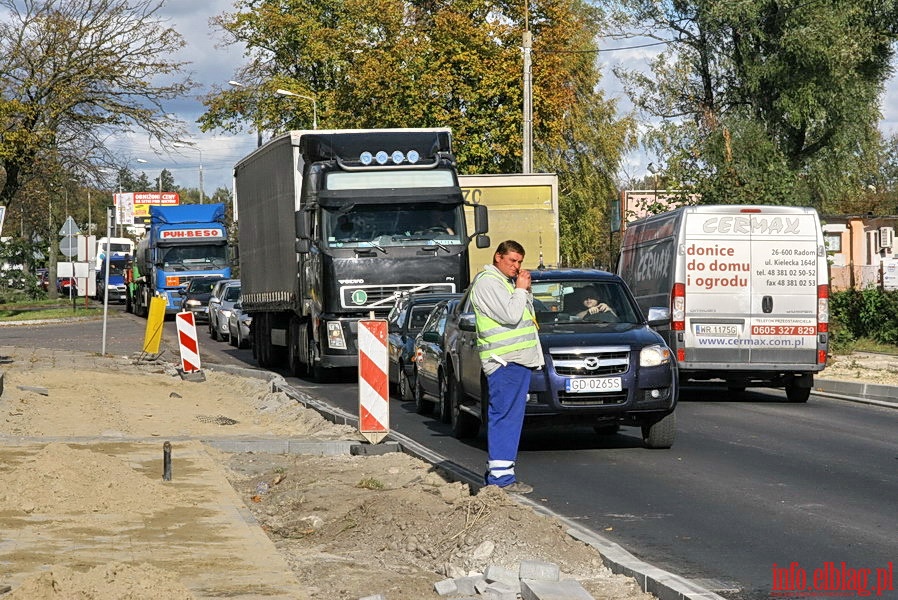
{"x":421,"y":239}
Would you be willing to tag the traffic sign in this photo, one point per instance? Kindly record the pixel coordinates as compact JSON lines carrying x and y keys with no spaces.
{"x":69,"y":228}
{"x":68,"y":245}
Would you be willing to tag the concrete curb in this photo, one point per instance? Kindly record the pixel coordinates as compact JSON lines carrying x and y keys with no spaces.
{"x":868,"y":393}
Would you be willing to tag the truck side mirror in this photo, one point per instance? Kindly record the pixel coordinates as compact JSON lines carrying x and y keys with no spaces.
{"x":481,"y":221}
{"x":483,"y":241}
{"x":303,"y":230}
{"x":658,"y":315}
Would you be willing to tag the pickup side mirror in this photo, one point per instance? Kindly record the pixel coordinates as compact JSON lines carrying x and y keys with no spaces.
{"x":466,"y":322}
{"x":431,"y":336}
{"x":658,"y":315}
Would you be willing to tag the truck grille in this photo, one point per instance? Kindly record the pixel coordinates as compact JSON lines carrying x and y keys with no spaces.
{"x":381,"y":297}
{"x":591,"y":361}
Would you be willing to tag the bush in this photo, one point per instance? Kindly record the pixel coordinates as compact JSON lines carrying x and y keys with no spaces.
{"x":871,"y":313}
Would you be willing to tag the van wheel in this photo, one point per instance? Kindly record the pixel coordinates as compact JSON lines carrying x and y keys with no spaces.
{"x":660,"y":434}
{"x":797,"y":394}
{"x":464,"y":425}
{"x":422,"y":406}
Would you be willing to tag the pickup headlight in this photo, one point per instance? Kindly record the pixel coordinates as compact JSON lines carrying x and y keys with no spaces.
{"x":654,"y":356}
{"x":226,"y":314}
{"x":193,"y":303}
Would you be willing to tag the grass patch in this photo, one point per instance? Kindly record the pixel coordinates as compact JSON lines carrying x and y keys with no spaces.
{"x":48,"y":309}
{"x":866,"y":345}
{"x":370,"y":483}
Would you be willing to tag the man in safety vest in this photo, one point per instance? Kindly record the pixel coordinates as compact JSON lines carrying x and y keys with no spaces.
{"x":508,"y":343}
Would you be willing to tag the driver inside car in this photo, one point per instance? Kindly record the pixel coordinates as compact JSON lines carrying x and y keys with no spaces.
{"x":593,"y":307}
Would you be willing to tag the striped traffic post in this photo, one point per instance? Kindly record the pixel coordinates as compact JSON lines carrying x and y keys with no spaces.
{"x":374,"y":385}
{"x":187,"y":341}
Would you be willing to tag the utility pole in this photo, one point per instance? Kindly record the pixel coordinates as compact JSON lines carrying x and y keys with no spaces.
{"x":527,"y":166}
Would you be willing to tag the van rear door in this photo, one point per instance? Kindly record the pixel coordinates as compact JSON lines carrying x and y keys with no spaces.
{"x":752,"y":277}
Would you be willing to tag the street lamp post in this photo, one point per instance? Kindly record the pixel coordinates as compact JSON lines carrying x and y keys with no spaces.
{"x":314,"y":104}
{"x":258,"y":111}
{"x":197,"y":148}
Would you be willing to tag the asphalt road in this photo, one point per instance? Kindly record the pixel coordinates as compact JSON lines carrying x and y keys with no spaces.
{"x":749,"y":483}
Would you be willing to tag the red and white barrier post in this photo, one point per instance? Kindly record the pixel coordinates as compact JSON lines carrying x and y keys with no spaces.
{"x":187,"y":341}
{"x":374,"y":383}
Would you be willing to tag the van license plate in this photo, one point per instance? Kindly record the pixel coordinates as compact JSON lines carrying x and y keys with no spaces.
{"x":725,"y":330}
{"x":593,"y":384}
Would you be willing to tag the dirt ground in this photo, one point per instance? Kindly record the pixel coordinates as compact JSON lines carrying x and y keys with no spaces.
{"x":85,"y":513}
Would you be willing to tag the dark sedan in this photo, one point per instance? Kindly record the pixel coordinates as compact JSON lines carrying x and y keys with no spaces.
{"x":430,"y":363}
{"x":195,"y":296}
{"x":404,"y":323}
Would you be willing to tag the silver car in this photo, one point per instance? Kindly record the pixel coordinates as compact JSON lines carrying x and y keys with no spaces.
{"x":238,"y":327}
{"x":220,"y":306}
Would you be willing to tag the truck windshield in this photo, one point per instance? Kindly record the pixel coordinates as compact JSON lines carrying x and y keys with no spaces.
{"x":582,"y":302}
{"x":394,"y":225}
{"x":194,"y":258}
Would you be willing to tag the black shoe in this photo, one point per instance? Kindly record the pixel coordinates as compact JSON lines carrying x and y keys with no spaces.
{"x":518,"y":488}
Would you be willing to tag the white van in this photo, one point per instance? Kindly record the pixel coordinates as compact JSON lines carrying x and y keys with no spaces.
{"x":748,"y":291}
{"x":117,"y":246}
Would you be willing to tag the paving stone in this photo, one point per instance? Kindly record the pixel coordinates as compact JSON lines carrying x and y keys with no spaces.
{"x":566,"y":589}
{"x":539,"y":570}
{"x":467,"y":585}
{"x":497,"y":573}
{"x":445,"y":587}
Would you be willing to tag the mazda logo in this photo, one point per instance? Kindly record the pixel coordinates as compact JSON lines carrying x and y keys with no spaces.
{"x":591,"y":363}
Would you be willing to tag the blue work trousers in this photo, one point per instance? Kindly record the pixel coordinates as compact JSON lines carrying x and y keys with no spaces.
{"x":508,"y":388}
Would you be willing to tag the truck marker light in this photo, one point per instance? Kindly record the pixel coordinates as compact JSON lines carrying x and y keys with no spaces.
{"x":681,"y":354}
{"x":413,"y":156}
{"x":381,"y":157}
{"x":366,"y":158}
{"x":398,"y":156}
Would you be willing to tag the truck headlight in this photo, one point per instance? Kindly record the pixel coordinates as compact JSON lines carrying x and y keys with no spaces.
{"x":654,"y":356}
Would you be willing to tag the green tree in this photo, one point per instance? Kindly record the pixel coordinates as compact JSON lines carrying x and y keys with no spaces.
{"x":772,"y":101}
{"x":73,"y":72}
{"x":456,"y":63}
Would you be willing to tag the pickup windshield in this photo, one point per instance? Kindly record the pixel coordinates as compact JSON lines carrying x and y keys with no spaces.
{"x":583,"y":302}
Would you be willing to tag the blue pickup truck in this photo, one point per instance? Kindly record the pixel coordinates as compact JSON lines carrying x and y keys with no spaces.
{"x":605,"y":369}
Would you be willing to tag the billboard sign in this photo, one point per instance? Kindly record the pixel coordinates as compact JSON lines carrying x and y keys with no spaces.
{"x":144,"y":200}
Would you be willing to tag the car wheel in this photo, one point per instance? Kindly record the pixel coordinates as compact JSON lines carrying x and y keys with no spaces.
{"x":464,"y":425}
{"x":213,"y":329}
{"x":232,"y":339}
{"x":660,"y":434}
{"x":404,"y":386}
{"x":422,"y":406}
{"x":443,"y":408}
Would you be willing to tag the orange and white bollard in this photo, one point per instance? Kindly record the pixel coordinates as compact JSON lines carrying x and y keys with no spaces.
{"x":374,"y":383}
{"x":187,"y":341}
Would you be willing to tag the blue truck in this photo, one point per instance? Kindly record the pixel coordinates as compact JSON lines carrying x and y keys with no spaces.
{"x":181,"y":243}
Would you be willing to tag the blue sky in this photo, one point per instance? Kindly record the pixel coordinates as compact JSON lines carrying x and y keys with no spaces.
{"x":215,"y":64}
